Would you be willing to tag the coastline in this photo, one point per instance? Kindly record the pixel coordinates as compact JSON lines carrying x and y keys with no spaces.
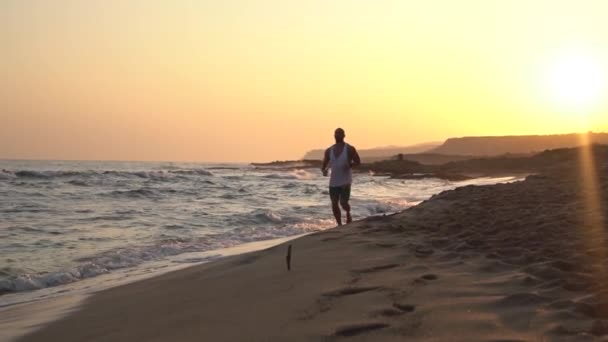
{"x":478,"y":263}
{"x":24,"y":312}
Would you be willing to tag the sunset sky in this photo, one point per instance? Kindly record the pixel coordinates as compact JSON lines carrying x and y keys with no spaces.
{"x":261,"y":80}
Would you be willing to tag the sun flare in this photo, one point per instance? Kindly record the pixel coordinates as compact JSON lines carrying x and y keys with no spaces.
{"x":575,"y":79}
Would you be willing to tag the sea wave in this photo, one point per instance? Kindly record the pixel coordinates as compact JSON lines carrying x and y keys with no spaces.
{"x":268,"y":216}
{"x":385,"y":206}
{"x":136,"y":193}
{"x":153,"y":175}
{"x":261,"y":217}
{"x":6,"y":174}
{"x":295,"y":174}
{"x":302,"y":174}
{"x":78,"y":182}
{"x":18,"y":281}
{"x":26,"y":229}
{"x":197,"y":172}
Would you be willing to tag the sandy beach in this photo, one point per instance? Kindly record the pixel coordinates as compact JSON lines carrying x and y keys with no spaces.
{"x":509,"y":262}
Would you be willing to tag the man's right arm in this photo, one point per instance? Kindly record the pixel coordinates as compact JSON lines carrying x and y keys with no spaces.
{"x":325,"y":162}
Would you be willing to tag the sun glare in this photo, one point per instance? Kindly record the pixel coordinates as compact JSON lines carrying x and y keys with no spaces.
{"x":575,"y":79}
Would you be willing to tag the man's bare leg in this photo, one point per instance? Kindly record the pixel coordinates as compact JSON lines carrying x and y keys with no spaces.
{"x":337,"y":213}
{"x":346,"y":207}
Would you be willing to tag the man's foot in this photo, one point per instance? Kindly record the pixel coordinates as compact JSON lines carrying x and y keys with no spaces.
{"x":349,"y":218}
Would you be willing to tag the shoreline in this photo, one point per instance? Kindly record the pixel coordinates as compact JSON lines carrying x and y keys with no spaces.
{"x":24,"y":312}
{"x":475,"y":263}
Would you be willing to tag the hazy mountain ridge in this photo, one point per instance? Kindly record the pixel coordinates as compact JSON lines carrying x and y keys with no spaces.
{"x":457,"y":149}
{"x":517,"y":144}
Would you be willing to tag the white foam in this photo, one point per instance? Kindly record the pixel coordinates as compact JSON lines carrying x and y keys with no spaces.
{"x":303,"y":174}
{"x":6,"y":174}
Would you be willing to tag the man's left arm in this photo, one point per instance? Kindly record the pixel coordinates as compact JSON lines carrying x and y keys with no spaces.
{"x":355,"y":159}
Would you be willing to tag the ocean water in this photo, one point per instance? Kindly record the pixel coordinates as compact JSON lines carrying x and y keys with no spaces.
{"x":62,"y":222}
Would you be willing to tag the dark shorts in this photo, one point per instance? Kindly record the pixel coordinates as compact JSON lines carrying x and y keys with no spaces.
{"x":339,"y":193}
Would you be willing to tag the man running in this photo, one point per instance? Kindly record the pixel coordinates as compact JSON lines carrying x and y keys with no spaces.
{"x":341,"y":157}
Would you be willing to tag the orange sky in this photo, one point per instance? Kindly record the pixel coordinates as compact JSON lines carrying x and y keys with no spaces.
{"x":264,"y":80}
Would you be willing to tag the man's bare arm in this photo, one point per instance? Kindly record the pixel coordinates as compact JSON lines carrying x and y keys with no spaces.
{"x":325,"y":162}
{"x":356,"y":160}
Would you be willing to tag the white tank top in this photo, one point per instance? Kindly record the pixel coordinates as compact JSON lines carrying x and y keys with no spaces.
{"x":341,"y":173}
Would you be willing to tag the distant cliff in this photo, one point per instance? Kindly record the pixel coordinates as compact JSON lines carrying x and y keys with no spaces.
{"x":521,"y":144}
{"x":379,"y":153}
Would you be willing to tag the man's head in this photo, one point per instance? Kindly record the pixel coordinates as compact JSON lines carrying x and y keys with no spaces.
{"x":339,"y":135}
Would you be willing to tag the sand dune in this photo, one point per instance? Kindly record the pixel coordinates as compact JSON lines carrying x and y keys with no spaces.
{"x":508,"y":262}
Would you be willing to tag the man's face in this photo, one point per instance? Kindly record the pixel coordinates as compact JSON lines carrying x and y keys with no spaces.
{"x":339,"y":134}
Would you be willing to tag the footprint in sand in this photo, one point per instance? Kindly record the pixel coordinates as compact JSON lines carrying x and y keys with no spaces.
{"x":373,"y":269}
{"x":331,"y":238}
{"x":429,"y":277}
{"x":397,"y":309}
{"x":386,"y":244}
{"x":387,"y":312}
{"x":404,"y":307}
{"x":424,"y":279}
{"x":346,"y":291}
{"x":323,"y":303}
{"x":359,"y":328}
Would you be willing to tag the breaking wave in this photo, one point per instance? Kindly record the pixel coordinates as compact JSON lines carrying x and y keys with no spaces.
{"x":154,"y":175}
{"x":295,"y":174}
{"x":17,"y":280}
